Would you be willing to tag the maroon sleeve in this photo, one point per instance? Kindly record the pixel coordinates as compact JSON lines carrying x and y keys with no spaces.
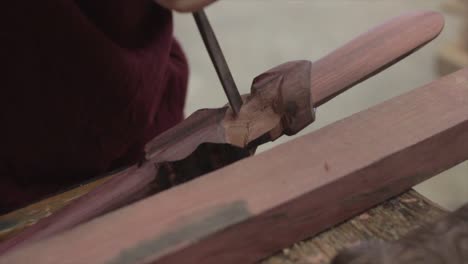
{"x":84,"y":84}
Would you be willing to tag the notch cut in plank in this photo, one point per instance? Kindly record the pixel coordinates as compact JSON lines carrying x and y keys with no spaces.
{"x":262,"y":204}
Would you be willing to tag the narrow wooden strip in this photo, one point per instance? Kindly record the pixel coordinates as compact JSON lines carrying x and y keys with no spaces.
{"x":14,"y":222}
{"x":111,"y":195}
{"x":255,"y":207}
{"x":203,"y":126}
{"x":372,"y":52}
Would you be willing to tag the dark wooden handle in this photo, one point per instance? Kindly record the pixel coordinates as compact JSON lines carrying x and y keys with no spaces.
{"x":372,"y":52}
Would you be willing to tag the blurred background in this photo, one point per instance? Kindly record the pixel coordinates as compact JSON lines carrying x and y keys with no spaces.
{"x":257,"y":35}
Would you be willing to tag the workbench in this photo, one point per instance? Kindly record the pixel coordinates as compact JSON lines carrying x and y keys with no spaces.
{"x":388,"y":221}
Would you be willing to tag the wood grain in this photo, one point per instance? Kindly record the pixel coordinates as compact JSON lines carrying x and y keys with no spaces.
{"x":372,"y":52}
{"x":13,"y":223}
{"x":114,"y":193}
{"x":230,"y":215}
{"x":280,"y":103}
{"x":269,"y":111}
{"x":177,"y":143}
{"x":127,"y":186}
{"x":443,"y":242}
{"x":389,"y":221}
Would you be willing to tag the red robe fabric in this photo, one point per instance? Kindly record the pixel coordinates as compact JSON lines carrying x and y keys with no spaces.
{"x":84,"y":85}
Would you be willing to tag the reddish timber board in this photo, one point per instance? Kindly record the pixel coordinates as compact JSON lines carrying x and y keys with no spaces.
{"x":254,"y":207}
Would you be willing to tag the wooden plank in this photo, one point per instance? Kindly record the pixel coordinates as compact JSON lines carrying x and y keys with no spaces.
{"x":112,"y":194}
{"x":354,"y":62}
{"x":293,"y":191}
{"x":442,"y":242}
{"x":389,"y":222}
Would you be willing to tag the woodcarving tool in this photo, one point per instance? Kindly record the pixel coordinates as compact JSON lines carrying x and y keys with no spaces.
{"x":219,"y":62}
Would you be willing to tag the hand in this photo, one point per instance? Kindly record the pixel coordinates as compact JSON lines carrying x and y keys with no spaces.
{"x":184,"y":5}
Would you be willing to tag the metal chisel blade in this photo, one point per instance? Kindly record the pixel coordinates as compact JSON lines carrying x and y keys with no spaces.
{"x":219,"y":62}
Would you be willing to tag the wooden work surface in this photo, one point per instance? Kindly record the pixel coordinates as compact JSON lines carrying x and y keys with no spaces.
{"x":389,"y":221}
